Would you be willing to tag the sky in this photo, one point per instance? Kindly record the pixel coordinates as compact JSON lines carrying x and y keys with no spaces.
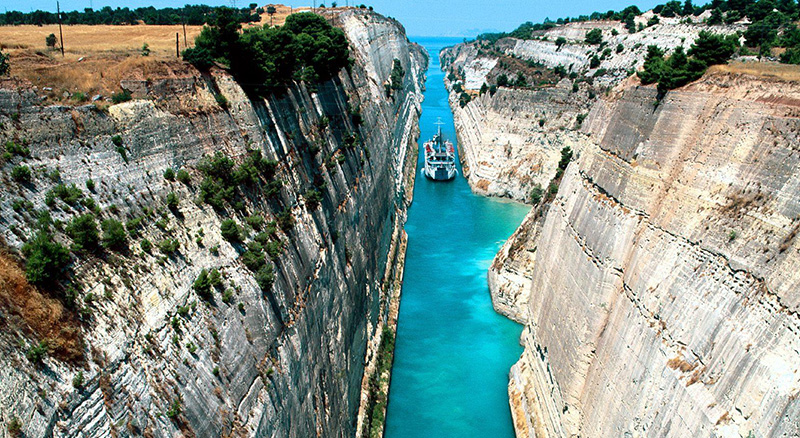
{"x":461,"y":18}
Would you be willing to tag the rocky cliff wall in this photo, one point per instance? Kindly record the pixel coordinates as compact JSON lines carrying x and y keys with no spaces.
{"x":657,"y":288}
{"x":159,"y":360}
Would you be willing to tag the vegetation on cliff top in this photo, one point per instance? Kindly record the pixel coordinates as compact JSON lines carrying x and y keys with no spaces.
{"x":263,"y":59}
{"x":190,"y":14}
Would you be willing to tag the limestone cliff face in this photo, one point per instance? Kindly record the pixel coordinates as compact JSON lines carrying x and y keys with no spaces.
{"x":658,"y":289}
{"x":286,"y":362}
{"x":663,"y":299}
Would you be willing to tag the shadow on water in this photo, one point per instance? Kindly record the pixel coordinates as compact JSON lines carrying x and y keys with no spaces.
{"x":453,"y":352}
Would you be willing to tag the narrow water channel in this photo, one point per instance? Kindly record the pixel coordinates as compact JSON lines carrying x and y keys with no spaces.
{"x":453,"y":352}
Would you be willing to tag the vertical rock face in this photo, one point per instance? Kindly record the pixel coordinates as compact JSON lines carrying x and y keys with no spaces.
{"x":286,"y":361}
{"x":659,"y":287}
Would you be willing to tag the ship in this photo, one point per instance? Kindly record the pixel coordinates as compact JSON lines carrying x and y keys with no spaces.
{"x":440,"y":157}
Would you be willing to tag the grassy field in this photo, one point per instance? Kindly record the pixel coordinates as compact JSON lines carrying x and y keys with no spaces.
{"x":98,"y":57}
{"x":785,"y":72}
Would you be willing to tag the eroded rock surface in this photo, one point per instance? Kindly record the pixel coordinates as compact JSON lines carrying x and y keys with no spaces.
{"x":659,"y":288}
{"x":161,"y":361}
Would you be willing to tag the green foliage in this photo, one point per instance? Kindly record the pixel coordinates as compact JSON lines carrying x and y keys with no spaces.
{"x":492,"y":89}
{"x":263,"y":59}
{"x":222,"y":101}
{"x":674,"y":72}
{"x":520,"y":81}
{"x":146,"y":245}
{"x":4,"y":66}
{"x":121,"y":96}
{"x":566,"y":157}
{"x":51,"y":40}
{"x":255,"y":221}
{"x":286,"y":219}
{"x":397,"y":74}
{"x":90,"y":185}
{"x":21,"y":174}
{"x":484,"y":89}
{"x":78,"y":380}
{"x":265,"y":277}
{"x":230,"y":231}
{"x":83,"y":232}
{"x":174,"y":409}
{"x":17,"y":149}
{"x":168,"y":246}
{"x":14,"y":427}
{"x":502,"y":80}
{"x":169,"y":174}
{"x":37,"y":352}
{"x":536,"y":194}
{"x":594,"y":62}
{"x":579,"y":119}
{"x":313,"y":198}
{"x":560,"y":41}
{"x":69,"y":194}
{"x":464,"y":99}
{"x":594,"y":36}
{"x":202,"y":285}
{"x":712,"y":49}
{"x":215,"y":278}
{"x":183,"y":176}
{"x":145,"y":49}
{"x":46,"y":259}
{"x":172,"y":201}
{"x":114,"y":235}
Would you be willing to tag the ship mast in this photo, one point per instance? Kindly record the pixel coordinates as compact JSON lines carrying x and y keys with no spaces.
{"x":439,"y":124}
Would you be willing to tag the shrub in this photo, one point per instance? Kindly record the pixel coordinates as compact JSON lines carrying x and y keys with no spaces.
{"x":169,"y":174}
{"x":502,"y":80}
{"x":172,"y":201}
{"x":265,"y":277}
{"x":69,"y":194}
{"x":536,"y":194}
{"x":183,"y":176}
{"x":46,"y":259}
{"x":313,"y":197}
{"x":230,"y":231}
{"x":146,"y":245}
{"x":4,"y":67}
{"x":397,"y":74}
{"x":77,"y":381}
{"x":83,"y":232}
{"x":215,"y":278}
{"x":227,"y":296}
{"x":122,"y":96}
{"x":14,"y":427}
{"x":222,"y":101}
{"x":274,"y":249}
{"x":168,"y":246}
{"x":579,"y":119}
{"x":174,"y":409}
{"x":21,"y":174}
{"x":560,"y":41}
{"x":51,"y":40}
{"x":202,"y":285}
{"x":114,"y":236}
{"x":17,"y":149}
{"x":594,"y":62}
{"x":286,"y":219}
{"x":594,"y":36}
{"x":90,"y":185}
{"x":37,"y":352}
{"x":255,"y":221}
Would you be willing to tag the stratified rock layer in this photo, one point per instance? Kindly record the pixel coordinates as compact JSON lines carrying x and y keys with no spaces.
{"x":287,"y":362}
{"x":659,"y":288}
{"x":663,"y":296}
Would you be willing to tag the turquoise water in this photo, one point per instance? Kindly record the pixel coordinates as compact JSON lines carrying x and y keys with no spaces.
{"x":453,"y":351}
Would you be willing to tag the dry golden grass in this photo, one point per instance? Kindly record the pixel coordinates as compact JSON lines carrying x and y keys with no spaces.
{"x":784,"y":72}
{"x":45,"y":316}
{"x":98,"y":57}
{"x":85,"y":40}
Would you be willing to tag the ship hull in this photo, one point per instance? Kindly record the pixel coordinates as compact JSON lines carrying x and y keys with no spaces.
{"x":440,"y":173}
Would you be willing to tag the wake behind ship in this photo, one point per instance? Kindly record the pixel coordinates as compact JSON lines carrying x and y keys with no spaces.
{"x":440,"y":157}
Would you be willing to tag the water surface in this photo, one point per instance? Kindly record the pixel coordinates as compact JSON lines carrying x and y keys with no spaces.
{"x":453,"y":352}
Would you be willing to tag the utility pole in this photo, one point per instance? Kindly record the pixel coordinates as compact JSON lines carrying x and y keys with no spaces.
{"x":185,"y":46}
{"x":177,"y":46}
{"x":60,"y":33}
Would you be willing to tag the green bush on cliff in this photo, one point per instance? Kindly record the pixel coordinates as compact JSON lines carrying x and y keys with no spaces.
{"x":83,"y":232}
{"x":680,"y":69}
{"x":46,"y":260}
{"x":266,"y":58}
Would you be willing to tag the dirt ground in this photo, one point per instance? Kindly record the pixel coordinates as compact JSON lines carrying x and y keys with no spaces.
{"x":784,"y":72}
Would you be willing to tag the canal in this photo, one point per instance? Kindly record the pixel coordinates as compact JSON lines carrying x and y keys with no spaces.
{"x":453,"y":351}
